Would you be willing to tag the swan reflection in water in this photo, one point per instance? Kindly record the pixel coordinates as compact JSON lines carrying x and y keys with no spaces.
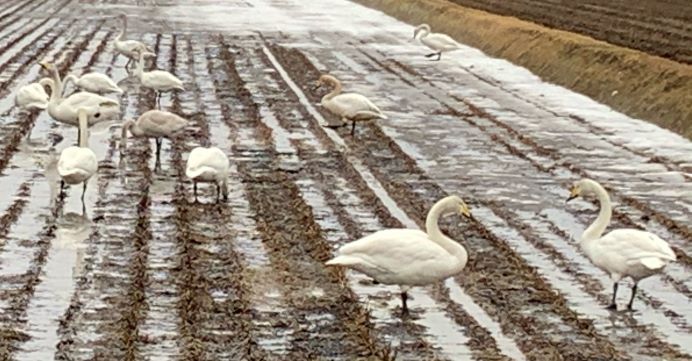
{"x":70,"y":241}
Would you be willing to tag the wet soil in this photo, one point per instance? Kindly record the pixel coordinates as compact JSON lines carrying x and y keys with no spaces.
{"x":150,"y":272}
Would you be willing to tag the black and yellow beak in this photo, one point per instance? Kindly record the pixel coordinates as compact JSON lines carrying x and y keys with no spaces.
{"x":572,"y":196}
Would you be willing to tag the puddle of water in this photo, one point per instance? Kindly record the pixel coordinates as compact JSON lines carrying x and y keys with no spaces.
{"x":54,"y":292}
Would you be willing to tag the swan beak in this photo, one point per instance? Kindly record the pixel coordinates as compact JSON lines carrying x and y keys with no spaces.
{"x":464,"y":210}
{"x":316,"y":86}
{"x":573,"y":193}
{"x":43,"y":65}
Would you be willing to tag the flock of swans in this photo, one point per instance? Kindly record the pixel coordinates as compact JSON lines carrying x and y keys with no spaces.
{"x":403,"y":257}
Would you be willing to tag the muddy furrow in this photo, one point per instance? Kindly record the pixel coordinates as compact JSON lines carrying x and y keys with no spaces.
{"x":501,"y":267}
{"x":13,"y":211}
{"x":12,"y":15}
{"x":328,"y":317}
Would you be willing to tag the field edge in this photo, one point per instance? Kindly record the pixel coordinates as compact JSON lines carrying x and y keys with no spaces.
{"x":648,"y":87}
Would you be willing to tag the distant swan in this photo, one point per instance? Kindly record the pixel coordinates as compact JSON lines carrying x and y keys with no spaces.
{"x":95,"y":83}
{"x":153,"y":124}
{"x":440,"y":43}
{"x":128,"y":47}
{"x":622,"y":252}
{"x":78,"y":164}
{"x":408,"y":257}
{"x":209,"y":165}
{"x":349,"y":106}
{"x":159,"y":80}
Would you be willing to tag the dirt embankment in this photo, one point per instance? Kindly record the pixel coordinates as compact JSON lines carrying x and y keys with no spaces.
{"x":648,"y":87}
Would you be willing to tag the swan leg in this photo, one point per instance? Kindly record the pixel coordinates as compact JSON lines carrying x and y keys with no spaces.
{"x":61,"y":194}
{"x":194,"y":187}
{"x":439,"y":56}
{"x":127,"y":65}
{"x":218,"y":192}
{"x":353,"y":127}
{"x":84,"y":192}
{"x":634,"y":292}
{"x":158,"y":100}
{"x":430,"y":55}
{"x":612,"y":305}
{"x":404,"y":308}
{"x":158,"y":153}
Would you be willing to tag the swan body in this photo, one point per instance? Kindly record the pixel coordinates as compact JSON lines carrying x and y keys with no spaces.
{"x":209,"y":165}
{"x":95,"y":83}
{"x":128,"y":48}
{"x":408,"y":257}
{"x":32,"y":96}
{"x":622,"y":252}
{"x":439,"y":43}
{"x":153,"y":124}
{"x":159,"y":80}
{"x":349,"y":106}
{"x":77,"y":164}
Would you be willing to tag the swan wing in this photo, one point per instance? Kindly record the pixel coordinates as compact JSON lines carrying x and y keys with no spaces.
{"x":97,"y":82}
{"x":353,"y":103}
{"x":77,"y":160}
{"x":633,"y":246}
{"x":161,"y":123}
{"x":88,"y":100}
{"x":160,"y":79}
{"x":439,"y":41}
{"x":206,"y":160}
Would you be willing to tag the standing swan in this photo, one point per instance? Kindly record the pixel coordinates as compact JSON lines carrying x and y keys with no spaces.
{"x":159,"y":80}
{"x":77,"y":164}
{"x":95,"y":83}
{"x":408,"y":257}
{"x":622,"y":252}
{"x":153,"y":124}
{"x":127,"y":47}
{"x":209,"y":165}
{"x":440,"y":43}
{"x":349,"y":106}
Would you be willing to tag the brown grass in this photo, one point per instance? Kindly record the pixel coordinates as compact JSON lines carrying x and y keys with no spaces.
{"x":649,"y":87}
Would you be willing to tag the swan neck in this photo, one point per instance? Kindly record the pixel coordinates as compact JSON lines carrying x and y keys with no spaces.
{"x":336,"y":91}
{"x":56,"y":87}
{"x":123,"y":32}
{"x":140,"y":66}
{"x":435,"y":234}
{"x":597,"y":228}
{"x":83,"y":129}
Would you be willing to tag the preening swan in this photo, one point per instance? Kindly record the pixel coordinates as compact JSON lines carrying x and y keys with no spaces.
{"x":408,"y":257}
{"x":440,"y":43}
{"x":96,"y":107}
{"x":127,"y":47}
{"x":622,"y":252}
{"x":349,"y":106}
{"x":153,"y":124}
{"x":95,"y":83}
{"x":32,"y":96}
{"x":77,"y":164}
{"x":209,"y":165}
{"x":159,"y":80}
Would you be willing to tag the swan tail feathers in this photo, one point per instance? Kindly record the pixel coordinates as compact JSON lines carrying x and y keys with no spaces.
{"x":343,"y":261}
{"x":653,"y":262}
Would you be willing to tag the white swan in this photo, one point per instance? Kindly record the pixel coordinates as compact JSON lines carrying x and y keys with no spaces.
{"x":128,"y":47}
{"x":94,"y":82}
{"x":64,"y":110}
{"x":159,"y":80}
{"x":440,"y":43}
{"x":78,"y":164}
{"x":408,"y":257}
{"x":32,"y":96}
{"x":153,"y":124}
{"x":209,"y":165}
{"x":622,"y":252}
{"x":349,"y":106}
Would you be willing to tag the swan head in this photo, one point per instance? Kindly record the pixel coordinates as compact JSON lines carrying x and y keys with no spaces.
{"x":47,"y":66}
{"x":420,"y":28}
{"x":325,"y":79}
{"x":454,"y":204}
{"x":582,"y":187}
